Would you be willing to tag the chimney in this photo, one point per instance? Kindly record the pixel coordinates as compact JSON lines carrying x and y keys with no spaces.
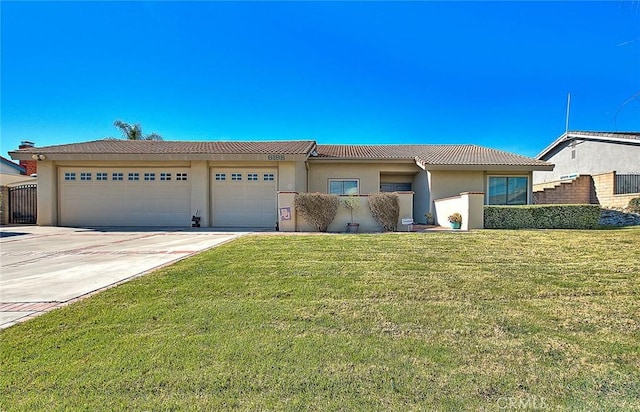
{"x":31,"y":166}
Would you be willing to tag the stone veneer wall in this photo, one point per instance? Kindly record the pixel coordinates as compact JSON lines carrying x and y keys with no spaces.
{"x":605,"y":188}
{"x":585,"y":189}
{"x":577,"y":191}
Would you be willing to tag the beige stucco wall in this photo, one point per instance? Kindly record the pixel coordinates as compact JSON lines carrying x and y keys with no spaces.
{"x":448,"y":183}
{"x":362,"y":215}
{"x":367,"y":173}
{"x":469,"y":205}
{"x":47,"y":194}
{"x":200,"y":188}
{"x":291,"y":176}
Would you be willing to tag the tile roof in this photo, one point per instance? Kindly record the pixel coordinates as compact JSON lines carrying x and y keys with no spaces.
{"x":449,"y":154}
{"x":116,"y":146}
{"x":445,"y":154}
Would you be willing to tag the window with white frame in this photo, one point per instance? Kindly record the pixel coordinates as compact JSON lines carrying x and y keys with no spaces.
{"x":268,"y":177}
{"x":508,"y":190}
{"x":165,"y":176}
{"x":252,"y":176}
{"x":69,"y":176}
{"x":101,"y":176}
{"x":85,"y":176}
{"x":236,"y":176}
{"x":221,"y":176}
{"x":149,"y":176}
{"x":134,"y":176}
{"x":344,"y":186}
{"x":117,"y":176}
{"x":181,"y":176}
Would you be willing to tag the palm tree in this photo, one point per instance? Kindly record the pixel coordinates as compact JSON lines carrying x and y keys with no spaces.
{"x":134,"y":132}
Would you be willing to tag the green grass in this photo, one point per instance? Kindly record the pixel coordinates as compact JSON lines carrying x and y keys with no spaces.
{"x":488,"y":320}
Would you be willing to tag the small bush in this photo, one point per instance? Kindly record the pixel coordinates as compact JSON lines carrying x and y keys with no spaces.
{"x":318,"y":209}
{"x":634,"y":205}
{"x":385,"y":208}
{"x":542,"y":217}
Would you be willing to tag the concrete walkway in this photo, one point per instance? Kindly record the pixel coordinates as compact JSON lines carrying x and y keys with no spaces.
{"x":42,"y":268}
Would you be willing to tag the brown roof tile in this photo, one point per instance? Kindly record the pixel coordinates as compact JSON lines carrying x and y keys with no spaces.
{"x":427,"y":154}
{"x":449,"y":154}
{"x":115,"y":146}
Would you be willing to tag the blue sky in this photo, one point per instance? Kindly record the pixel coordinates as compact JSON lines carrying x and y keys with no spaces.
{"x":490,"y":73}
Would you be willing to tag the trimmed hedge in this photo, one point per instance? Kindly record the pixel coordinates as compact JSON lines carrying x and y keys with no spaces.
{"x":318,"y":209}
{"x":385,"y":208}
{"x":542,"y":217}
{"x":634,"y":205}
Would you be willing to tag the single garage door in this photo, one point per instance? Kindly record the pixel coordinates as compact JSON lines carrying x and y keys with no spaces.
{"x":244,"y":197}
{"x":108,"y":196}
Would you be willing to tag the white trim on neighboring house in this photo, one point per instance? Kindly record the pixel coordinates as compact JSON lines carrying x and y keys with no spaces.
{"x":632,"y":139}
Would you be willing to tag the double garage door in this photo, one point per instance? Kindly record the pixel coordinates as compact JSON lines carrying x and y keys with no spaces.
{"x":156,"y":196}
{"x":124,"y":196}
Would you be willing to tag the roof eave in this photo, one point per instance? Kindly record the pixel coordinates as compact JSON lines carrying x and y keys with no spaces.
{"x":577,"y":135}
{"x":362,"y":159}
{"x":492,"y":167}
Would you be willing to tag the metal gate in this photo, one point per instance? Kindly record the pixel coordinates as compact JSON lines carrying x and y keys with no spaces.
{"x":22,"y":204}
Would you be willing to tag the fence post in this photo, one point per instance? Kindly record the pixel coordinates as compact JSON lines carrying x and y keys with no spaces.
{"x":4,"y":205}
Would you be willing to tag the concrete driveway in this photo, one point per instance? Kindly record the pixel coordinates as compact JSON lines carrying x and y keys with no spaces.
{"x":46,"y":267}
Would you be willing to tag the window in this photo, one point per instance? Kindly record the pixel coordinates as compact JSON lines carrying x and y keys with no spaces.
{"x":252,"y":176}
{"x":165,"y":176}
{"x":101,"y":176}
{"x":395,"y":187}
{"x":134,"y":176}
{"x":69,"y":176}
{"x":268,"y":177}
{"x":236,"y":176}
{"x":181,"y":176}
{"x":508,"y":190}
{"x":221,"y":176}
{"x":117,"y":176}
{"x":343,"y":186}
{"x":85,"y":176}
{"x":149,"y":176}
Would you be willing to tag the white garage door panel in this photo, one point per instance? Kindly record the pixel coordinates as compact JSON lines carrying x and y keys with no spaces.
{"x":124,"y":202}
{"x":244,"y":203}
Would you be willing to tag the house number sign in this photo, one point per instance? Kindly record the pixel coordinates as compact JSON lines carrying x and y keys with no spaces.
{"x":275,"y":157}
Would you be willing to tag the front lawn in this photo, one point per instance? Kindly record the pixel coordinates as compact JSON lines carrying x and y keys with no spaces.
{"x":493,"y":320}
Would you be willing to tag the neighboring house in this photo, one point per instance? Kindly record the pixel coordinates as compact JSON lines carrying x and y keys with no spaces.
{"x":239,"y":184}
{"x":13,"y":175}
{"x":590,"y":167}
{"x":590,"y":153}
{"x":7,"y":167}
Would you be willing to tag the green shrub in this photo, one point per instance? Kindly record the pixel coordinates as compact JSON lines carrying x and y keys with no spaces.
{"x":318,"y":209}
{"x":385,"y":208}
{"x":634,"y":205}
{"x":542,"y":217}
